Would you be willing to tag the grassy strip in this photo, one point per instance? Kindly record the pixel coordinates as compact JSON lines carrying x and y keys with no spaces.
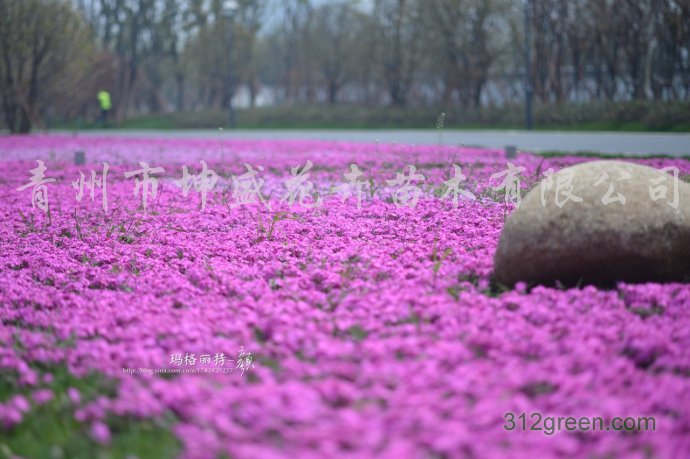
{"x":50,"y":430}
{"x":593,"y":154}
{"x":624,"y":116}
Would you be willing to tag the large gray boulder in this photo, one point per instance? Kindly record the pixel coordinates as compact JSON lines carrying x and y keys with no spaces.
{"x":613,"y":223}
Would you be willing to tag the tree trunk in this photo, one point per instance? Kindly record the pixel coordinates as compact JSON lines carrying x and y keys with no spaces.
{"x":180,"y":87}
{"x":333,"y":88}
{"x":253,"y":92}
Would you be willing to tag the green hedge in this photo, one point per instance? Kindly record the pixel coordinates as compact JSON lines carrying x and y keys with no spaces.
{"x":620,"y":116}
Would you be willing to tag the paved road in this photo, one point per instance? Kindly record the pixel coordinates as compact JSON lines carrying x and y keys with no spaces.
{"x":602,"y":142}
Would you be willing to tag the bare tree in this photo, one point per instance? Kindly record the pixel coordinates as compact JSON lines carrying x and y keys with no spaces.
{"x":467,"y":32}
{"x":398,"y":31}
{"x":336,"y":28}
{"x":41,"y":43}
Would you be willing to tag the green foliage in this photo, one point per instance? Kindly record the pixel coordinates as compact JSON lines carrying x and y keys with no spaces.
{"x":438,"y":258}
{"x":656,"y":116}
{"x":357,"y":333}
{"x":51,"y":430}
{"x":592,"y":154}
{"x":267,"y":232}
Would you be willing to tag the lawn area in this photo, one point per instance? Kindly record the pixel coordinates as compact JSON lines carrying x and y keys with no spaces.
{"x":624,"y":117}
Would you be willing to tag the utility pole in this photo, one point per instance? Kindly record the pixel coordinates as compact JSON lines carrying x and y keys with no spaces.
{"x":229,"y":9}
{"x":528,"y":71}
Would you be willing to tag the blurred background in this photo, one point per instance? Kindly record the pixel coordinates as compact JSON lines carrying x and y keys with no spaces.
{"x":547,"y":64}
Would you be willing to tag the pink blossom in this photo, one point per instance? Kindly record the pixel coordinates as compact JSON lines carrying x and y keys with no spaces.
{"x":100,"y":432}
{"x":367,"y":341}
{"x":42,"y":396}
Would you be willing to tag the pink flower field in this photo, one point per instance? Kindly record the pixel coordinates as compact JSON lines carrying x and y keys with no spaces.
{"x":329,"y":327}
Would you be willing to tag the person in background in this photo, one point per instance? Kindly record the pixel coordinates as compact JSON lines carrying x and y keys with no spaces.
{"x":104,"y":101}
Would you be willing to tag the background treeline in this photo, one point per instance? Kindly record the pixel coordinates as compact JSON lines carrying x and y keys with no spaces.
{"x":592,"y":61}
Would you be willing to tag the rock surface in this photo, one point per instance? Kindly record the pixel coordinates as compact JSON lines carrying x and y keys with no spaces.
{"x":622,"y":229}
